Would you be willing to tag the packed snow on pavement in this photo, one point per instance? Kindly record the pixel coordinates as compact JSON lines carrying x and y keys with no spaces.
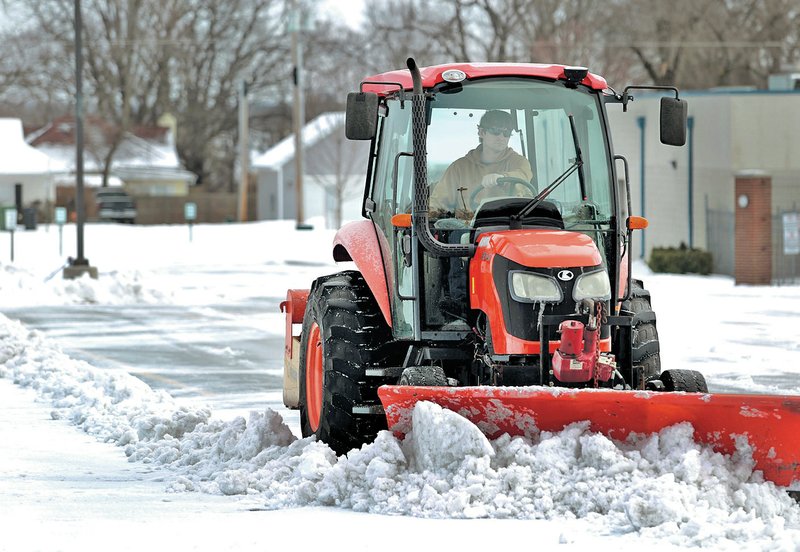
{"x":661,"y":489}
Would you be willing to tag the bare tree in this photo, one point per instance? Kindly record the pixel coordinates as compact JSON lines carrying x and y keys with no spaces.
{"x":542,"y":31}
{"x":114,"y":35}
{"x":706,"y":44}
{"x":336,"y":160}
{"x":145,"y":58}
{"x":220,"y":47}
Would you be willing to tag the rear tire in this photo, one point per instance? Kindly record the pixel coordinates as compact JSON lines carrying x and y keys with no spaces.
{"x":645,"y":347}
{"x":344,"y":333}
{"x":689,"y":381}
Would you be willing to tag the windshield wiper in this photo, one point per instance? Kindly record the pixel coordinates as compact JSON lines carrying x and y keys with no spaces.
{"x":577,"y":165}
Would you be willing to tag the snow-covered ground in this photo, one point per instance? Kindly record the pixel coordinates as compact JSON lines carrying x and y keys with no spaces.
{"x":196,"y":480}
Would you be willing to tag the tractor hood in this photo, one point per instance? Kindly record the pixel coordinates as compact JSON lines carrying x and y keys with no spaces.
{"x":541,"y":248}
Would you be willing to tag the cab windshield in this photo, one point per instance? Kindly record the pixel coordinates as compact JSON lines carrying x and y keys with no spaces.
{"x":518,"y":130}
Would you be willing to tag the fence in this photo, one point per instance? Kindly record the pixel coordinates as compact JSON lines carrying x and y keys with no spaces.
{"x":211,"y":207}
{"x":720,"y":232}
{"x":786,"y":247}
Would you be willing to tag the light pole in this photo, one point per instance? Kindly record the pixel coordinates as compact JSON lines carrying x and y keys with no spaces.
{"x":244,"y":154}
{"x":79,"y":265}
{"x":298,"y":113}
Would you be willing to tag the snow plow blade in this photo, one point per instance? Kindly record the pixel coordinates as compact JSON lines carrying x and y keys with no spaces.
{"x":770,"y":423}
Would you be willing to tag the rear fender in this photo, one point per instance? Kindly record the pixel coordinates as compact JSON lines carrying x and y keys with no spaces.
{"x":295,"y":308}
{"x":358,"y":242}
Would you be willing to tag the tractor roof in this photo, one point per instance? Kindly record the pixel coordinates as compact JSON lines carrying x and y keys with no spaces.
{"x":432,"y":75}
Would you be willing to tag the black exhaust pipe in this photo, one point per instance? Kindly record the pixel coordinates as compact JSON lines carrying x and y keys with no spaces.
{"x":419,"y":139}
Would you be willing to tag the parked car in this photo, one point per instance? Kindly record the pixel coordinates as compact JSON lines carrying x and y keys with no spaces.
{"x":116,"y":206}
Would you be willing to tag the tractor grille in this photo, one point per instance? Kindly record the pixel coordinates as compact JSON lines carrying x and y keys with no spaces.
{"x":522,"y":319}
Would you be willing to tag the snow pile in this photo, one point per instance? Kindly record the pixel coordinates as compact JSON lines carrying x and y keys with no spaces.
{"x":664,"y":486}
{"x":159,"y":264}
{"x":21,"y":287}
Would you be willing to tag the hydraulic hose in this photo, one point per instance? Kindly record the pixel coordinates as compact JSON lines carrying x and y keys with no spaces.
{"x":419,"y":139}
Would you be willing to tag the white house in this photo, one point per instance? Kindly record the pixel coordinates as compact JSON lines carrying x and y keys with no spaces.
{"x":145,"y":161}
{"x":23,"y":168}
{"x":335,"y":172}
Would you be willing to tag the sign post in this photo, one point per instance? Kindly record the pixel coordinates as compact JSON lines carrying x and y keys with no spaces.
{"x":190,"y":214}
{"x":11,"y":225}
{"x":61,"y":220}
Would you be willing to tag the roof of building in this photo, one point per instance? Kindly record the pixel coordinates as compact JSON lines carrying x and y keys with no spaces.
{"x":283,"y":152}
{"x":18,"y":157}
{"x":62,"y":131}
{"x":143,"y":148}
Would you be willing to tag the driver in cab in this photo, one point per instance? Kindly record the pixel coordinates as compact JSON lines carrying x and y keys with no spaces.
{"x":473,"y":178}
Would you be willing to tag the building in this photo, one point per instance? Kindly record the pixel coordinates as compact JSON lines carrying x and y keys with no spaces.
{"x":334,"y":175}
{"x":145,"y":160}
{"x":26,"y":175}
{"x":688,"y":193}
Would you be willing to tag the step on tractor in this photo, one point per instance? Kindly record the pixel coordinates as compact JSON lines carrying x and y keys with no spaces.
{"x":513,"y":304}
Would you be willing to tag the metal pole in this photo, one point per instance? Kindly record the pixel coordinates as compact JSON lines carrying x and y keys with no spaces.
{"x":244,"y":146}
{"x":690,"y":126}
{"x":280,"y":193}
{"x":80,"y":265}
{"x":298,"y":113}
{"x":80,"y":207}
{"x":641,"y":123}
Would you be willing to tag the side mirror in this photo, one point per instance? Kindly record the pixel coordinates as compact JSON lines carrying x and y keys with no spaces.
{"x":361,"y":122}
{"x":673,"y":121}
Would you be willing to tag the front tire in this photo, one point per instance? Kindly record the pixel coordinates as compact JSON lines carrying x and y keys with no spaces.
{"x":344,"y":334}
{"x":644,"y":347}
{"x":688,"y":381}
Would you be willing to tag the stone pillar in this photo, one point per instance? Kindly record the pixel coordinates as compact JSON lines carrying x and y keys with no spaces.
{"x":753,"y":245}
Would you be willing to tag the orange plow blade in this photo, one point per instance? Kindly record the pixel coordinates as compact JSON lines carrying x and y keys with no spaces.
{"x":770,"y":423}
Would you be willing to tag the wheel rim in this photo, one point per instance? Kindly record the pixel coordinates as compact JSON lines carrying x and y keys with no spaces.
{"x":314,"y":377}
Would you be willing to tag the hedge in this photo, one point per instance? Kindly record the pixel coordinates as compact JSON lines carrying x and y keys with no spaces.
{"x":680,"y":260}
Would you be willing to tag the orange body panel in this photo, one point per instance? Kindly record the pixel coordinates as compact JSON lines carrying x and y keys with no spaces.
{"x":532,"y":248}
{"x":542,"y":248}
{"x":358,"y":242}
{"x":770,"y":423}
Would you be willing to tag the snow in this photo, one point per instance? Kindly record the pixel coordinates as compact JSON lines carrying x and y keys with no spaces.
{"x":18,"y":157}
{"x":189,"y":470}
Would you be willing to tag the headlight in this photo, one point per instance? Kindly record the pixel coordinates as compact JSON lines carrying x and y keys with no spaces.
{"x":592,"y":285}
{"x":534,"y":288}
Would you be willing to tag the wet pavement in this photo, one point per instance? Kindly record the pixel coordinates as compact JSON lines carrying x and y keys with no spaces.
{"x":227,"y":356}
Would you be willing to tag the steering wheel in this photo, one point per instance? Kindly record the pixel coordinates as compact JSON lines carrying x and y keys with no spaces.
{"x":506,"y":181}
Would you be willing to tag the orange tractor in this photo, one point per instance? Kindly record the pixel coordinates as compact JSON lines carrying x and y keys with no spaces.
{"x":514,"y":306}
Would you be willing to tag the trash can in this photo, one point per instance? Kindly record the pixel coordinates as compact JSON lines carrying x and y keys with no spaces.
{"x":29,"y":218}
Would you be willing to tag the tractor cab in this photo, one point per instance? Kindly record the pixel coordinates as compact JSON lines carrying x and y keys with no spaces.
{"x":551,"y":132}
